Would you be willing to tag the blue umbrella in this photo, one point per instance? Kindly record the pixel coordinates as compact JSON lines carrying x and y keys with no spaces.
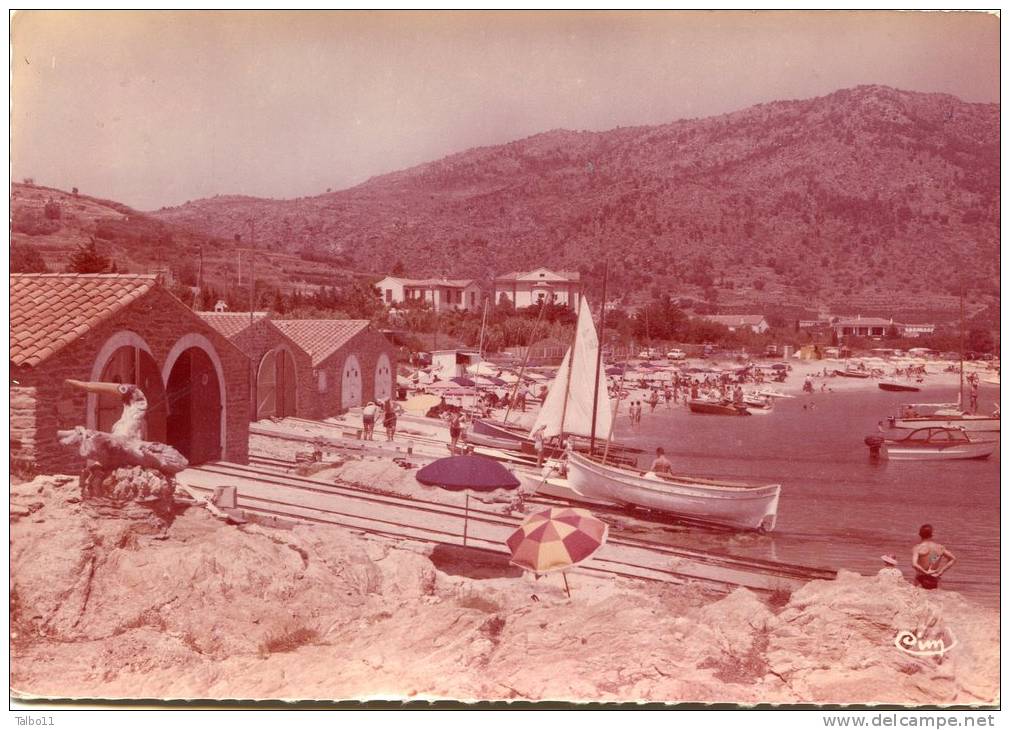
{"x":465,"y":473}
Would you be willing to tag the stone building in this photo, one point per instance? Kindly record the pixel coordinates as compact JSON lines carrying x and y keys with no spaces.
{"x":127,"y":329}
{"x":281,"y":370}
{"x":352,"y":363}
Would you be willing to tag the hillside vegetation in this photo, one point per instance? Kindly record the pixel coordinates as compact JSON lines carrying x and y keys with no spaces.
{"x":869,"y":200}
{"x":49,"y":226}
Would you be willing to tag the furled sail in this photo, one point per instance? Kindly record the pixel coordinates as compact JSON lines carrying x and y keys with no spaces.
{"x":576,"y":380}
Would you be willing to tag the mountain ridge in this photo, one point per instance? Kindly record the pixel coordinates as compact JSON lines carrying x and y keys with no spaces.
{"x":854,"y":199}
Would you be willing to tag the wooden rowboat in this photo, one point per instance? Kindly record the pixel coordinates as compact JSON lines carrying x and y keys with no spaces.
{"x":734,"y":504}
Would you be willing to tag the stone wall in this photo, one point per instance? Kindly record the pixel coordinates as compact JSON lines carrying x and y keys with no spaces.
{"x":160,"y":320}
{"x":264,"y":336}
{"x":368,"y":345}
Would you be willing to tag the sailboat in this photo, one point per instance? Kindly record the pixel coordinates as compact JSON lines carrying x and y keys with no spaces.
{"x":947,"y":415}
{"x":574,"y":406}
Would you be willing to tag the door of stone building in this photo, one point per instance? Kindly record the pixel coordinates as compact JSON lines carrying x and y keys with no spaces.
{"x":350,"y":385}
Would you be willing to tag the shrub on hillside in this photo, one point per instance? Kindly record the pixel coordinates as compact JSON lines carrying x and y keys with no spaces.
{"x":33,"y":223}
{"x":26,"y":259}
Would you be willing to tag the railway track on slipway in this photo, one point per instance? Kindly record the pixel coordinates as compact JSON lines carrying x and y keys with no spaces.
{"x":265,"y":488}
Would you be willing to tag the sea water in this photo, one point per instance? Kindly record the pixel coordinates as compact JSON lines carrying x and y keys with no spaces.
{"x":839,"y":508}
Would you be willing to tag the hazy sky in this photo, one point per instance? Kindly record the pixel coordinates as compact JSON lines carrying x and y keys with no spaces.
{"x":156,"y":108}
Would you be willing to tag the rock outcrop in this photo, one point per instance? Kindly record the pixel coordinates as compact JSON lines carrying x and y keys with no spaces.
{"x":108,"y":604}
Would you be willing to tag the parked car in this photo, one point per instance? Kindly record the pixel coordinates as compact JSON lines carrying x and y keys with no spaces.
{"x":676,"y":355}
{"x":649,"y":354}
{"x":772,"y":351}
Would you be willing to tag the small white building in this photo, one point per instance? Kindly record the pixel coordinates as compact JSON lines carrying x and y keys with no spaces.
{"x":917,"y":330}
{"x":441,"y":294}
{"x":526,"y":288}
{"x":860,"y":326}
{"x":754,"y":322}
{"x":448,"y":364}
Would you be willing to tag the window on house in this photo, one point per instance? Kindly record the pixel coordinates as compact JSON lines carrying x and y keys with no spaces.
{"x":473,"y":298}
{"x":389,"y":296}
{"x":321,"y":377}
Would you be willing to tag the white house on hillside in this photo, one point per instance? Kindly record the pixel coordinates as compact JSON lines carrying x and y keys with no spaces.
{"x":754,"y":322}
{"x":441,"y":294}
{"x":526,"y":288}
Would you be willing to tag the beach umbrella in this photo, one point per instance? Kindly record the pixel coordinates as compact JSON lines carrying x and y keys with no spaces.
{"x":465,"y":474}
{"x":465,"y":382}
{"x":614,"y":370}
{"x":556,"y":539}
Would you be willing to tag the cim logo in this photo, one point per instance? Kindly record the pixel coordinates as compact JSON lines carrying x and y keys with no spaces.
{"x":910,"y":643}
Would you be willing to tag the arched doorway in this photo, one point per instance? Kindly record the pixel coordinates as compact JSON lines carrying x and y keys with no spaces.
{"x":130,"y":364}
{"x":276,"y":385}
{"x":193,"y":395}
{"x":350,"y":384}
{"x":383,"y":378}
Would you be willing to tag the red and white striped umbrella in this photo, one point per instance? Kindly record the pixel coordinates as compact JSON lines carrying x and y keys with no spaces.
{"x":556,"y":539}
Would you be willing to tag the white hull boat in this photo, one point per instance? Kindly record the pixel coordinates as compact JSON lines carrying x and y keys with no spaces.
{"x":932,"y":444}
{"x":975,"y":424}
{"x":750,"y":507}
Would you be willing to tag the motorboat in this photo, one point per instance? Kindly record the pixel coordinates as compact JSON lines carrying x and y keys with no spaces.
{"x":757,"y":405}
{"x":932,"y":444}
{"x":852,"y":373}
{"x":768,"y":393}
{"x":733,"y":504}
{"x":942,"y":415}
{"x":717,"y":408}
{"x":893,"y":387}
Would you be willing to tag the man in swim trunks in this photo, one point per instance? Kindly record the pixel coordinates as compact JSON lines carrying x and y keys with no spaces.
{"x":928,"y":559}
{"x":661,"y":465}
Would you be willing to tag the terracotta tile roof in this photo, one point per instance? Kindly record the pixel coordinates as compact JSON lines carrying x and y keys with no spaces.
{"x":520,"y":275}
{"x":230,"y":324}
{"x":321,"y":337}
{"x":49,"y":311}
{"x":459,"y":283}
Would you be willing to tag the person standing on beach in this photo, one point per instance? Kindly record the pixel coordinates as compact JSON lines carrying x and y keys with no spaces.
{"x":653,"y":401}
{"x":454,"y":431}
{"x":368,"y":420}
{"x":974,"y":394}
{"x":538,"y":445}
{"x":927,"y":559}
{"x":389,"y":419}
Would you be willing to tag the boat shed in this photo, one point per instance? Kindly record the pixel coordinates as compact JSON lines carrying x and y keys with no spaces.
{"x":282,"y":371}
{"x":126,"y":329}
{"x":352,"y":362}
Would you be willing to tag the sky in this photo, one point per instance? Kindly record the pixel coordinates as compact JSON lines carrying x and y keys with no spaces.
{"x":157,"y":108}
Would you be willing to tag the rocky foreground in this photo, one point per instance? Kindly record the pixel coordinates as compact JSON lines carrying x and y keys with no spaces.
{"x":108,"y":603}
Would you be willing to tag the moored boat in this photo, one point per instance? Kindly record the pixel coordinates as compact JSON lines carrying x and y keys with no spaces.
{"x":942,"y":415}
{"x":717,"y":408}
{"x":757,"y":405}
{"x":893,"y":387}
{"x":932,"y":444}
{"x":852,"y":373}
{"x":745,"y":506}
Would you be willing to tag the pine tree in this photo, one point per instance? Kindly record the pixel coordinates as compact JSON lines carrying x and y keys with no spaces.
{"x":87,"y":260}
